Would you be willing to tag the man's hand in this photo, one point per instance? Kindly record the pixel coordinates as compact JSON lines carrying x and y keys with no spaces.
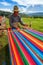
{"x":18,"y":29}
{"x":15,"y":25}
{"x":26,"y":25}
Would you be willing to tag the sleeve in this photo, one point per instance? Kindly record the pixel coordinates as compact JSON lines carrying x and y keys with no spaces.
{"x":20,"y":20}
{"x":11,"y":21}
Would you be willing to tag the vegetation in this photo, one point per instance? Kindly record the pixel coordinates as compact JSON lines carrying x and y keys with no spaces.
{"x":37,"y":23}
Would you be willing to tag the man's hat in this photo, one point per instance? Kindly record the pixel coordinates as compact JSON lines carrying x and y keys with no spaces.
{"x":16,"y":8}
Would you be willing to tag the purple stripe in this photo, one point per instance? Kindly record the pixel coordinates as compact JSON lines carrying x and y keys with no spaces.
{"x":36,"y":32}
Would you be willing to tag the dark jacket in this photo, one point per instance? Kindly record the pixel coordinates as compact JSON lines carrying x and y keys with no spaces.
{"x":15,"y":19}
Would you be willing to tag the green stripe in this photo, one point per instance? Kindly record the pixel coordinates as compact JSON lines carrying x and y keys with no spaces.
{"x":21,"y":53}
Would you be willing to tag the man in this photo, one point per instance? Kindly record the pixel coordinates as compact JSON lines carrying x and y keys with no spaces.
{"x":15,"y":18}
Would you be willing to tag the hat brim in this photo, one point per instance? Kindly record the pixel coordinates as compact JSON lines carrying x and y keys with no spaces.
{"x":16,"y":10}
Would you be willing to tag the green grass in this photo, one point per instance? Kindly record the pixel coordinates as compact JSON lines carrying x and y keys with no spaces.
{"x":3,"y":40}
{"x":37,"y":24}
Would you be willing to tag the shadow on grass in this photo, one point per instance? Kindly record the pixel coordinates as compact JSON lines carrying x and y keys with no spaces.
{"x":5,"y":56}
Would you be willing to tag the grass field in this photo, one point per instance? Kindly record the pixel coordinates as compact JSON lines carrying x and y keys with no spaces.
{"x":37,"y":24}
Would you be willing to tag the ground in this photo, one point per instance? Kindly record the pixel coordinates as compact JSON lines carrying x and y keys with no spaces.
{"x":37,"y":24}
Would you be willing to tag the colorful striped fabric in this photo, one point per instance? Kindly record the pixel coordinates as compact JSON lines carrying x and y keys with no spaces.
{"x":25,"y":48}
{"x":31,"y":45}
{"x":34,"y":40}
{"x":39,"y":36}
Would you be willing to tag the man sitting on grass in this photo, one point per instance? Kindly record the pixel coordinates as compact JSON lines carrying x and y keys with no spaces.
{"x":15,"y":19}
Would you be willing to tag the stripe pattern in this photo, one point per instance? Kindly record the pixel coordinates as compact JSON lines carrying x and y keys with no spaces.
{"x":26,"y":47}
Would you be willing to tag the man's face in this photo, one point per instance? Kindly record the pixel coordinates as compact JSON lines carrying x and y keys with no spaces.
{"x":16,"y":13}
